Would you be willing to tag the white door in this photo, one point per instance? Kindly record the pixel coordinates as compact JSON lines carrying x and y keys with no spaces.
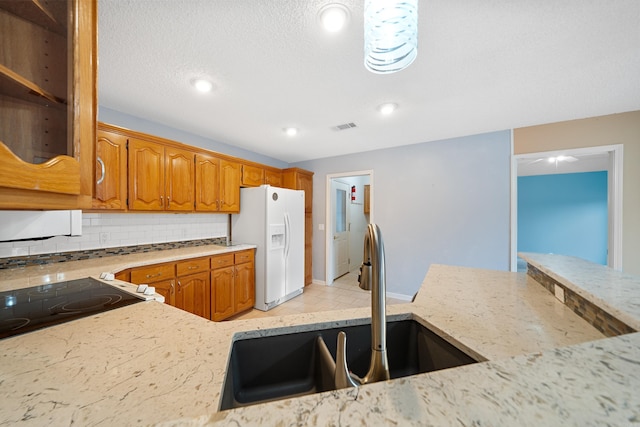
{"x":340,"y":195}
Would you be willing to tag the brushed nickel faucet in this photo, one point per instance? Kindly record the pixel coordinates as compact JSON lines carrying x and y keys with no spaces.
{"x":372,"y":277}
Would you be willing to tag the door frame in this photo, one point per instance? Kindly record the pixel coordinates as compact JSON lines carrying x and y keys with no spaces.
{"x":328,"y":263}
{"x":614,"y":196}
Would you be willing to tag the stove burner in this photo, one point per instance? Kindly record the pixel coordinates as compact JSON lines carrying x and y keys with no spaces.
{"x":89,"y":304}
{"x":29,"y":309}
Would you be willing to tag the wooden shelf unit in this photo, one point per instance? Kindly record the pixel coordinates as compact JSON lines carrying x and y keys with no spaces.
{"x":48,"y":103}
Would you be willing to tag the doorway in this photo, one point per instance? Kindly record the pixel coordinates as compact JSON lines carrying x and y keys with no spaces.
{"x":341,"y":223}
{"x":609,"y":158}
{"x":346,"y":223}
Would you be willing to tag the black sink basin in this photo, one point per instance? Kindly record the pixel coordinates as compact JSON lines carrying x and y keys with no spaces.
{"x":281,"y":366}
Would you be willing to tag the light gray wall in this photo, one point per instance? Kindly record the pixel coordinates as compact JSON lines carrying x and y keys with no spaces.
{"x":118,"y":118}
{"x":443,"y":202}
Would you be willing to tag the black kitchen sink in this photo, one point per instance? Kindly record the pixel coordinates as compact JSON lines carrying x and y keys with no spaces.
{"x":288,"y":365}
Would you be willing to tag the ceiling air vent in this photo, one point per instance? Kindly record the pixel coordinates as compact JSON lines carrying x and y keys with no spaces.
{"x":345,"y":126}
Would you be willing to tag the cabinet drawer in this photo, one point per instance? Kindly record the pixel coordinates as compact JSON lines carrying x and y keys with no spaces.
{"x":192,"y":266}
{"x":220,"y":261}
{"x":153,"y":273}
{"x":244,"y":256}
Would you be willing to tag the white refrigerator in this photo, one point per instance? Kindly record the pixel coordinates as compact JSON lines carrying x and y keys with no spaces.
{"x":272,"y":218}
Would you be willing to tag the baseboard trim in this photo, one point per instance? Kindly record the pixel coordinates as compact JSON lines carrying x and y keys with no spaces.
{"x":402,"y":297}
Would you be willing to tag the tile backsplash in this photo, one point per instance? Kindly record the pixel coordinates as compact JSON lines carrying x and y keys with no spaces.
{"x":115,"y":230}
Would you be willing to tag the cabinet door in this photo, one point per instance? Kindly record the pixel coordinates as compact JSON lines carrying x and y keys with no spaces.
{"x":146,"y":175}
{"x":230,"y":186}
{"x":305,"y":182}
{"x":111,"y":171}
{"x":244,"y":287}
{"x":166,"y":288}
{"x":367,"y":199}
{"x":47,"y":104}
{"x":207,"y":183}
{"x":273,"y":178}
{"x":180,"y":179}
{"x":193,"y":294}
{"x":252,"y":176}
{"x":222,"y":299}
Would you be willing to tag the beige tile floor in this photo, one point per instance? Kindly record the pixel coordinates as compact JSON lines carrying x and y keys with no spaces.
{"x":344,"y":293}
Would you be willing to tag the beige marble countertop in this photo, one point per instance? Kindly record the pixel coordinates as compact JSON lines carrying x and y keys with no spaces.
{"x":151,"y":363}
{"x":25,"y":277}
{"x":615,"y":292}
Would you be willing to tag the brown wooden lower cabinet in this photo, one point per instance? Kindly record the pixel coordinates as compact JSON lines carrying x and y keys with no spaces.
{"x":222,"y":305}
{"x":193,"y":294}
{"x":166,"y":288}
{"x":160,"y":276}
{"x":244,"y":286}
{"x":232,"y":284}
{"x":214,"y":287}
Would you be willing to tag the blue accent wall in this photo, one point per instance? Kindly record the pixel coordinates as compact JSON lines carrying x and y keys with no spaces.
{"x":564,"y":214}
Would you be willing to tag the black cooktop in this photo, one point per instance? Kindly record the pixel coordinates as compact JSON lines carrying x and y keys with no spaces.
{"x":29,"y":309}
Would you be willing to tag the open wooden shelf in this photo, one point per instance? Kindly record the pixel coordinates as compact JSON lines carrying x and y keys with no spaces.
{"x":50,"y":15}
{"x":14,"y":85}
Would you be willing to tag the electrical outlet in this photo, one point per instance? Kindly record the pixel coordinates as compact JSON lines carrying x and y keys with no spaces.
{"x":559,"y":292}
{"x":103,"y":238}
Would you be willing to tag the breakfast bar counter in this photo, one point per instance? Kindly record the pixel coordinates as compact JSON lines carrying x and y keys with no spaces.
{"x":150,"y":363}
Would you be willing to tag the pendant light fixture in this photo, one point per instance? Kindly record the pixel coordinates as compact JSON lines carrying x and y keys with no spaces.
{"x":390,"y":35}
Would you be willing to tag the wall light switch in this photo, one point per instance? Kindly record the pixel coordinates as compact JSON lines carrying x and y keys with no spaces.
{"x":321,"y":227}
{"x":559,"y":292}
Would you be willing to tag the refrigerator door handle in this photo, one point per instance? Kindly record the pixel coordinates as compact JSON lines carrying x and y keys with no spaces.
{"x":287,"y":235}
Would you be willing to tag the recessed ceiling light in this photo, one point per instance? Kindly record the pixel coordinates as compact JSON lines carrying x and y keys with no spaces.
{"x":291,"y":131}
{"x":387,"y":108}
{"x":202,"y":85}
{"x":333,"y":17}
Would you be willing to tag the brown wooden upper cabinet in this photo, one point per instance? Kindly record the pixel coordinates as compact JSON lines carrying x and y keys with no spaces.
{"x":160,"y":178}
{"x":111,"y":171}
{"x":229,"y":186}
{"x":367,"y":199}
{"x":47,"y":103}
{"x":300,"y":179}
{"x":272,"y":177}
{"x":217,"y":185}
{"x":254,"y":176}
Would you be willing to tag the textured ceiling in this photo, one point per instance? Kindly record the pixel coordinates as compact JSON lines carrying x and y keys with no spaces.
{"x":482,"y":66}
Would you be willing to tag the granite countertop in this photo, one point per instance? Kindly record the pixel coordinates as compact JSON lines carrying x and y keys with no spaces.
{"x":151,"y":363}
{"x":25,"y":277}
{"x":616,"y":292}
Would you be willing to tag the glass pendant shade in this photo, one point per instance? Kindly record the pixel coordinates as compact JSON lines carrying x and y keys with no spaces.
{"x":390,"y":35}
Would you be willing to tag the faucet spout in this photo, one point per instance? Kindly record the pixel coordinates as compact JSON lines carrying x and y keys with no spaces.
{"x":372,"y":277}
